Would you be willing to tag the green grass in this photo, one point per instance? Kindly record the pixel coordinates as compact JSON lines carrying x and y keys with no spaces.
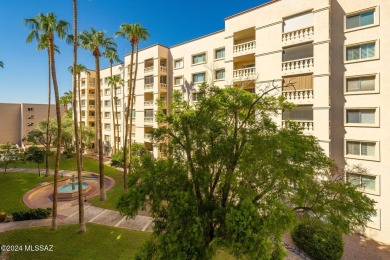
{"x":14,"y":185}
{"x":91,"y":166}
{"x":99,"y":242}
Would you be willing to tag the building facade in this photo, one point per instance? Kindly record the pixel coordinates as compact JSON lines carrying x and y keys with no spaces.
{"x":326,"y":56}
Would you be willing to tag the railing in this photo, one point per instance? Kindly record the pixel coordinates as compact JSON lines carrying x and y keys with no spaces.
{"x":244,"y":48}
{"x":148,"y":103}
{"x":148,"y":69}
{"x":306,"y":125}
{"x":303,"y":94}
{"x":148,"y":120}
{"x":91,"y":106}
{"x":148,"y":137}
{"x":92,"y":96}
{"x":148,"y":86}
{"x":298,"y":66}
{"x":82,"y":117}
{"x":82,"y":95}
{"x":133,"y":135}
{"x":243,"y":74}
{"x":163,"y":69}
{"x":91,"y":117}
{"x":301,"y":35}
{"x":92,"y":84}
{"x":163,"y":86}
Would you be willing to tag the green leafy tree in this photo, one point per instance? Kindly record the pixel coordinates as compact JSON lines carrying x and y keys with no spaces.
{"x":8,"y":156}
{"x":94,"y":41}
{"x":36,"y":155}
{"x":232,"y":177}
{"x":66,"y":99}
{"x":134,"y":33}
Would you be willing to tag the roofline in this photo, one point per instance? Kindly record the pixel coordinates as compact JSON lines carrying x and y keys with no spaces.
{"x":113,"y":66}
{"x":151,"y":46}
{"x":254,"y":8}
{"x":195,"y":39}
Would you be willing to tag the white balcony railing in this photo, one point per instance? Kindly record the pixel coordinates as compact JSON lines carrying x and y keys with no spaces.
{"x":148,"y":120}
{"x":148,"y":69}
{"x":163,"y":86}
{"x":148,"y":87}
{"x":148,"y":137}
{"x":306,"y":125}
{"x":298,"y":36}
{"x":148,"y":103}
{"x":298,"y":66}
{"x":244,"y":74}
{"x":299,"y":95}
{"x":244,"y":48}
{"x":163,"y":69}
{"x":82,"y":95}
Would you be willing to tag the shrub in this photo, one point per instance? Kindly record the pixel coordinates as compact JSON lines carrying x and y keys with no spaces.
{"x":38,"y":213}
{"x":319,"y":240}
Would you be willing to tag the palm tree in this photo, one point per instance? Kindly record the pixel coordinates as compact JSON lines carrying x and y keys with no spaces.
{"x":49,"y":26}
{"x":115,"y":81}
{"x":66,"y":99}
{"x":79,"y":68}
{"x":112,"y":56}
{"x":1,"y":64}
{"x":134,"y":33}
{"x":93,"y":41}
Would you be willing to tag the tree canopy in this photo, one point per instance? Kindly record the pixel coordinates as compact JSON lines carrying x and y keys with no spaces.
{"x":232,"y":177}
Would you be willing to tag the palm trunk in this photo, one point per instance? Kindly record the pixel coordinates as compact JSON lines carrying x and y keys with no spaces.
{"x":59,"y":130}
{"x":81,"y":122}
{"x":82,"y":227}
{"x":99,"y":117}
{"x":47,"y":156}
{"x":116,"y":144}
{"x":129,"y":97}
{"x":112,"y":108}
{"x":39,"y":171}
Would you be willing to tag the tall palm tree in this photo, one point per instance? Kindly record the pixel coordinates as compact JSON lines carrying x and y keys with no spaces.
{"x":66,"y":99}
{"x":114,"y":82}
{"x":79,"y":68}
{"x":134,"y":33}
{"x":82,"y":227}
{"x":50,"y":26}
{"x":112,"y":55}
{"x":93,"y":41}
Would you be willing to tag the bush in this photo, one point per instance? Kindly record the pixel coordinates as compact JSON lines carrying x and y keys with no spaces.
{"x":38,"y":213}
{"x":319,"y":240}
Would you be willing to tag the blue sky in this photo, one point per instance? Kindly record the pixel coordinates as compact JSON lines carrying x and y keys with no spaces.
{"x":24,"y":77}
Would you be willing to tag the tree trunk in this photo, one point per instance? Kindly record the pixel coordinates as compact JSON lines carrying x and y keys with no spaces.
{"x":130,"y":82}
{"x":59,"y":130}
{"x":116,"y":144}
{"x":81,"y":122}
{"x":99,"y":117}
{"x":39,"y":171}
{"x":47,"y":156}
{"x":82,"y":227}
{"x":112,"y":109}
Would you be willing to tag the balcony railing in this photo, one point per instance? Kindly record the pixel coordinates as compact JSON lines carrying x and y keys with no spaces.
{"x":91,"y":117}
{"x":298,"y":36}
{"x":148,"y":137}
{"x":148,"y":103}
{"x":306,"y":125}
{"x":91,"y":96}
{"x":298,"y":66}
{"x":148,"y":87}
{"x":163,"y":86}
{"x":82,"y":95}
{"x":148,"y":69}
{"x":299,"y":95}
{"x":163,"y":69}
{"x":244,"y":48}
{"x":91,"y":85}
{"x":244,"y":74}
{"x":91,"y":106}
{"x":133,"y":135}
{"x":148,"y":120}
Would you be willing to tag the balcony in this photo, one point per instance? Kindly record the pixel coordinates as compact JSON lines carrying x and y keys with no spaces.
{"x":92,"y":107}
{"x":163,"y":86}
{"x":298,"y":36}
{"x":91,"y":118}
{"x":149,"y":69}
{"x":244,"y":48}
{"x":163,"y":69}
{"x":305,"y":65}
{"x":91,"y":96}
{"x":132,"y":135}
{"x":306,"y":125}
{"x":244,"y":74}
{"x":148,"y":87}
{"x":148,"y":121}
{"x":148,"y":103}
{"x":148,"y":137}
{"x":299,"y":96}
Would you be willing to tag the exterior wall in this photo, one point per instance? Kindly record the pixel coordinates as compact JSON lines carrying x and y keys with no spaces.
{"x":256,"y":42}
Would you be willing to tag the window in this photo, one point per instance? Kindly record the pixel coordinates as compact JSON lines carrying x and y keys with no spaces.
{"x":365,"y":182}
{"x":117,"y":102}
{"x":364,"y":51}
{"x":302,"y":51}
{"x":220,"y":74}
{"x":178,"y":81}
{"x":107,"y":114}
{"x":107,"y":103}
{"x":107,"y":92}
{"x":107,"y":138}
{"x":361,"y":148}
{"x":359,"y":20}
{"x":179,"y":63}
{"x":361,"y":84}
{"x":298,"y":82}
{"x":30,"y":124}
{"x":299,"y":113}
{"x":149,"y":80}
{"x":118,"y":139}
{"x":300,"y":21}
{"x":118,"y":90}
{"x":197,"y":96}
{"x":133,"y":113}
{"x":163,"y":79}
{"x":199,"y":77}
{"x":219,"y":54}
{"x":199,"y":58}
{"x":118,"y":115}
{"x":360,"y":116}
{"x":30,"y":109}
{"x":148,"y":113}
{"x":118,"y":128}
{"x":107,"y":126}
{"x":106,"y":80}
{"x":30,"y":117}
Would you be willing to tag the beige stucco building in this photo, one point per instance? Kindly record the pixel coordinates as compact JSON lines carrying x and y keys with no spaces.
{"x":16,"y":120}
{"x":332,"y":51}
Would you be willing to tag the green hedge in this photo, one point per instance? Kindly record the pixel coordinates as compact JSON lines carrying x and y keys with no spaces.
{"x":319,"y":240}
{"x":38,"y":213}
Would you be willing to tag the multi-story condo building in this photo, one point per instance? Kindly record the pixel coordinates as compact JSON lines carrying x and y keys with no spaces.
{"x":327,"y":56}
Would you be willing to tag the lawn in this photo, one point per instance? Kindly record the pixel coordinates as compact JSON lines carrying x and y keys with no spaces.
{"x":14,"y":185}
{"x":91,"y":166}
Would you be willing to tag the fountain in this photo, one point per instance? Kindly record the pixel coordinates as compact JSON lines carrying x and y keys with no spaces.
{"x":71,"y":190}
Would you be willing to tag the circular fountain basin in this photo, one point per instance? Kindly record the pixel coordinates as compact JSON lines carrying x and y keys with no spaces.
{"x":66,"y":191}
